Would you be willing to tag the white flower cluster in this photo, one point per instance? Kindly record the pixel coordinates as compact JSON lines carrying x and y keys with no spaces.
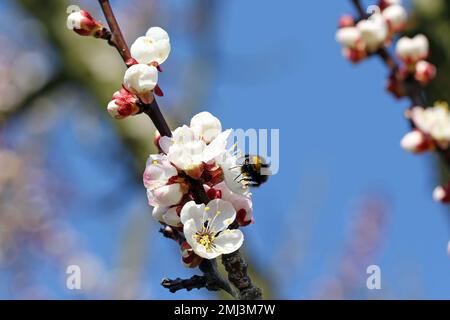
{"x":359,"y":39}
{"x":140,"y":81}
{"x":199,"y":152}
{"x":432,"y":131}
{"x":413,"y":52}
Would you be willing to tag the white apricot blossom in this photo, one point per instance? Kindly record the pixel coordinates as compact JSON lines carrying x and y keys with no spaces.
{"x":206,"y":126}
{"x":434,"y":121}
{"x":158,"y":171}
{"x":412,"y":50}
{"x":242,"y":203}
{"x":168,"y":216}
{"x":160,"y":191}
{"x":141,"y":79}
{"x":349,"y":37}
{"x":165,"y":196}
{"x":396,"y":16}
{"x":206,"y":228}
{"x":188,"y":152}
{"x":374,"y":31}
{"x":153,"y":47}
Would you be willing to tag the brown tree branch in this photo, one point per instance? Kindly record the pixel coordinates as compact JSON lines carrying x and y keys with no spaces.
{"x":117,"y":38}
{"x":209,"y":280}
{"x":212,"y":280}
{"x":238,"y":276}
{"x":195,"y":282}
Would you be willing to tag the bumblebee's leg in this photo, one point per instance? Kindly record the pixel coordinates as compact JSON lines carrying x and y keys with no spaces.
{"x":238,"y":178}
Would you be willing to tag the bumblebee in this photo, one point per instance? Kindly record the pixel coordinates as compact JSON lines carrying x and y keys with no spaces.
{"x":251,"y":171}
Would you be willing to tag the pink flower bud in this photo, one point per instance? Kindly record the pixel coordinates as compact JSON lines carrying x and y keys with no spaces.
{"x":214,"y":194}
{"x":84,"y":24}
{"x":189,"y":258}
{"x":417,"y":142}
{"x":123,"y":104}
{"x":354,"y":55}
{"x":346,"y":21}
{"x":425,"y":72}
{"x":442,"y":194}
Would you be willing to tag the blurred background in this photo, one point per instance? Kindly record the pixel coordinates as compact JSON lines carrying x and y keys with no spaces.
{"x":346,"y":197}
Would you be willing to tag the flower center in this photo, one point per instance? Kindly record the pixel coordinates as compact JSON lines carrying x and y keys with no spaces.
{"x":205,"y":238}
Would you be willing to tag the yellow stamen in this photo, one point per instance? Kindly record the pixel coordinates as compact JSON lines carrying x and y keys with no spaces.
{"x":207,"y":209}
{"x":155,"y":161}
{"x":205,"y":239}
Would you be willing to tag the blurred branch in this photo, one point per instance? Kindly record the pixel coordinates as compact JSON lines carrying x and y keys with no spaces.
{"x":414,"y":91}
{"x":55,"y":81}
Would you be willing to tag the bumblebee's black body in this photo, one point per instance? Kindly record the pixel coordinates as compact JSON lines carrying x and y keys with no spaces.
{"x":251,"y":170}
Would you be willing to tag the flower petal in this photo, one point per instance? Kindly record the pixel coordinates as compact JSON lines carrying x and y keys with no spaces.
{"x":165,"y":143}
{"x":220,"y":215}
{"x":194,"y":211}
{"x":165,"y":196}
{"x":190,"y":230}
{"x":217,"y":147}
{"x":171,"y":217}
{"x":158,"y":213}
{"x":229,"y":241}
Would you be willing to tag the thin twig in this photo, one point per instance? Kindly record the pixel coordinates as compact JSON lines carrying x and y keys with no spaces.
{"x":359,"y":7}
{"x":195,"y":282}
{"x":117,"y":36}
{"x":172,"y":233}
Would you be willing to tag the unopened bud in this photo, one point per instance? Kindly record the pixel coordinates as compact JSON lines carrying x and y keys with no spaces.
{"x":442,"y":194}
{"x":417,"y":142}
{"x":188,"y":256}
{"x":84,"y":24}
{"x":425,"y":72}
{"x":123,"y":104}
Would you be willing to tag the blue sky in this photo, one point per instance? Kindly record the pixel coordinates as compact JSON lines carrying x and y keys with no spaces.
{"x":279,"y":67}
